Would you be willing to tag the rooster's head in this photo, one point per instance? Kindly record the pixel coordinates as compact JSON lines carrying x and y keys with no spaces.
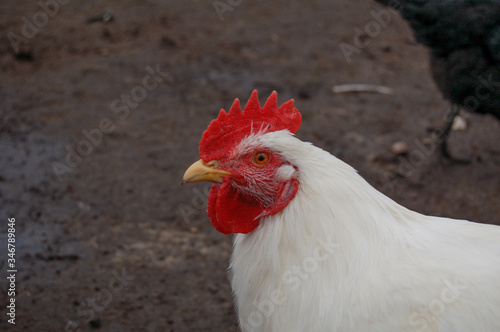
{"x":251,"y":179}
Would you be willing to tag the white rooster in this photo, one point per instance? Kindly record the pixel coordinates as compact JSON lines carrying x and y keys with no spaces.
{"x":319,"y":249}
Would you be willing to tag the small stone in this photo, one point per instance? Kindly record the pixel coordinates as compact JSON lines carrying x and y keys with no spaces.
{"x":459,"y":123}
{"x":399,"y":148}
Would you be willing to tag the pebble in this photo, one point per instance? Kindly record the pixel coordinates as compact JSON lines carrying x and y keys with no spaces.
{"x":399,"y":148}
{"x":459,"y":123}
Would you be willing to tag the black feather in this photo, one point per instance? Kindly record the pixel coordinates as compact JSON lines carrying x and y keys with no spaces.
{"x":464,"y":38}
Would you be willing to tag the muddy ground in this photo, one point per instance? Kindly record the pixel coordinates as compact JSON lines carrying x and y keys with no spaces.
{"x":107,"y":239}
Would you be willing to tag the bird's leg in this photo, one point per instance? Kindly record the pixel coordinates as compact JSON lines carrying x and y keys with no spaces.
{"x":446,"y":132}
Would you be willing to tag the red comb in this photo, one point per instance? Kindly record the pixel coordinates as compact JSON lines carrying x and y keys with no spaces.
{"x":230,"y":128}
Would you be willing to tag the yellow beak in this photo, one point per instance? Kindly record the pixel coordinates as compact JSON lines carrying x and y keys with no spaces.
{"x":199,"y":171}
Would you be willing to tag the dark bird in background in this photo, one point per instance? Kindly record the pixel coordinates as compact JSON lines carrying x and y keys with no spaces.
{"x":464,"y":39}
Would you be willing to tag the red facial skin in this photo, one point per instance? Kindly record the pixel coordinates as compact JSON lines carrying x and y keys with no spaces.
{"x":251,"y":193}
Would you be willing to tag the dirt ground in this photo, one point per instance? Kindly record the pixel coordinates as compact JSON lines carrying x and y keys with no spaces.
{"x":100,"y":119}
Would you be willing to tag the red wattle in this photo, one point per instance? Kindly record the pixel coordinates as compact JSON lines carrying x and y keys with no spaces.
{"x":212,"y":214}
{"x":232,"y":212}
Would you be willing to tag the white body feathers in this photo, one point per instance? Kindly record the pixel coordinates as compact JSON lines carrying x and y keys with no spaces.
{"x":344,"y":257}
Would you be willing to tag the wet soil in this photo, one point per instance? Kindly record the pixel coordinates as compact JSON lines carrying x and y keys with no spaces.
{"x":100,"y":119}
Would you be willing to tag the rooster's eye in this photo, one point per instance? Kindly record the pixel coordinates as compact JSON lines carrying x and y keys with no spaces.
{"x":260,"y":159}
